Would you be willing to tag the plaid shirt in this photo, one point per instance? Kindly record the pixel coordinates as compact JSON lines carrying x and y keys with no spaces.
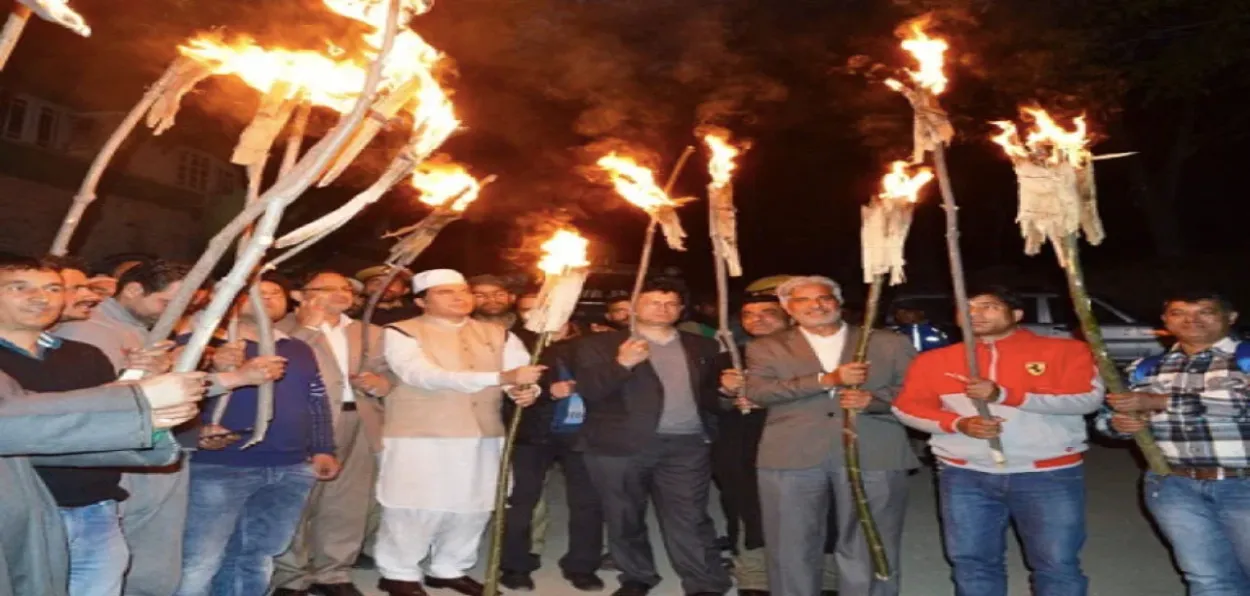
{"x":1207,"y":421}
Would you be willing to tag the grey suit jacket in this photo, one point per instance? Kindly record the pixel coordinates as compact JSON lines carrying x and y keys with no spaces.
{"x":34,"y":558}
{"x":804,"y":423}
{"x":369,"y":408}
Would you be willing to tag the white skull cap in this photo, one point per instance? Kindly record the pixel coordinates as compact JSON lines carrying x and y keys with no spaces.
{"x":436,"y":277}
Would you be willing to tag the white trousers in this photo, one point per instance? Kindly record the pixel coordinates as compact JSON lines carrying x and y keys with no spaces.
{"x":449,"y":541}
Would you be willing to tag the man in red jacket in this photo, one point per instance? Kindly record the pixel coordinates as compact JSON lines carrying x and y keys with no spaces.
{"x":1038,"y":390}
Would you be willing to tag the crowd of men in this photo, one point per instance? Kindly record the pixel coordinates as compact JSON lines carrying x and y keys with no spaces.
{"x":385,"y":438}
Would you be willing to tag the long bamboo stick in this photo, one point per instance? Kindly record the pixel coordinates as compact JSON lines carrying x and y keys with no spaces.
{"x":961,"y":289}
{"x":850,"y":444}
{"x":723,"y":334}
{"x":13,"y":28}
{"x":648,"y":241}
{"x":495,"y":556}
{"x":1107,"y":369}
{"x":270,"y":207}
{"x":86,"y":192}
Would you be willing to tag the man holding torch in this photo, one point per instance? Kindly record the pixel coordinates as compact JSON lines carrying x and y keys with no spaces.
{"x":806,"y":376}
{"x":1039,"y":390}
{"x":1193,"y":400}
{"x":651,"y":404}
{"x":734,"y":459}
{"x":443,"y":436}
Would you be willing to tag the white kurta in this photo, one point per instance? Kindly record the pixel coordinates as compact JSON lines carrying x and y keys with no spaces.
{"x":441,"y":474}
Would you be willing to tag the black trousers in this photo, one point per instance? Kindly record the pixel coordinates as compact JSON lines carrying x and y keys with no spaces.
{"x":674,"y":472}
{"x":530,"y":464}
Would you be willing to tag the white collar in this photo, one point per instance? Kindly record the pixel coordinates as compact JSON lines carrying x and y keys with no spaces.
{"x":342,"y":324}
{"x":839,"y":334}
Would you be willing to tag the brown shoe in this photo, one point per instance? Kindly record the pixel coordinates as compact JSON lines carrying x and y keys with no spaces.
{"x":463,"y":584}
{"x":395,"y":587}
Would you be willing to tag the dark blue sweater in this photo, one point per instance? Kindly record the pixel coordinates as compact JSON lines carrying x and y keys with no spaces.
{"x":301,"y":425}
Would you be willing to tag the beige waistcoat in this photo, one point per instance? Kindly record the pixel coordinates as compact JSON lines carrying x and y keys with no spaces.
{"x":475,"y":346}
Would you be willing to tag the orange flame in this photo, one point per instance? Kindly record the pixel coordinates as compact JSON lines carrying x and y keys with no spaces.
{"x":929,"y":52}
{"x":898,"y":185}
{"x":634,"y":182}
{"x":440,"y":182}
{"x":565,"y":250}
{"x":1046,"y":141}
{"x":326,"y":81}
{"x":722,"y":165}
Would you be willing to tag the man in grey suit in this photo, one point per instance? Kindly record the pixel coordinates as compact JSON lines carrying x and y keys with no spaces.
{"x":806,"y":376}
{"x":110,"y":425}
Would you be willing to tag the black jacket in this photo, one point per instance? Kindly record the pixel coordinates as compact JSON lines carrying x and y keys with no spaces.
{"x":623,"y":406}
{"x":536,"y":422}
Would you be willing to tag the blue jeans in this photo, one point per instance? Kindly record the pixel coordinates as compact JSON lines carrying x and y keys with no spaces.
{"x":238,"y":520}
{"x":1208,"y":524}
{"x":1048,"y":509}
{"x":97,"y":550}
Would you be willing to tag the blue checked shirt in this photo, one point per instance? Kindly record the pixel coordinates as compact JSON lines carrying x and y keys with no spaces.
{"x":1207,"y":421}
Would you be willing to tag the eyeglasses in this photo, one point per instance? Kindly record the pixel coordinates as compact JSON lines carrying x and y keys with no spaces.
{"x":345,"y":289}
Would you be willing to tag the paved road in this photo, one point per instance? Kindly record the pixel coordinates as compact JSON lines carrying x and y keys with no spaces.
{"x":1123,"y":556}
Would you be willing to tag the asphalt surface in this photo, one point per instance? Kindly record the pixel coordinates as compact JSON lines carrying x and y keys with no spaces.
{"x":1123,"y":555}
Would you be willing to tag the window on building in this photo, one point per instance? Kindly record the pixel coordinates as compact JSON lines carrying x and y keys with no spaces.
{"x":15,"y":118}
{"x":46,"y":127}
{"x":193,"y":170}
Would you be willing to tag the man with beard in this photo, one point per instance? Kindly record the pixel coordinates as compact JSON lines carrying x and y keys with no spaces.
{"x":734,"y":457}
{"x":154,"y":514}
{"x":806,"y":377}
{"x":336,"y":518}
{"x":396,"y":303}
{"x":80,"y":298}
{"x":495,"y":302}
{"x":615,"y":315}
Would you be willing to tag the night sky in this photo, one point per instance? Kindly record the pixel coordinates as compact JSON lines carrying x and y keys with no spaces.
{"x":542,"y":84}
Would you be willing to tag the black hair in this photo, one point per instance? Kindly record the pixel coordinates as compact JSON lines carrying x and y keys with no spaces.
{"x":616,"y":297}
{"x":667,"y":285}
{"x":153,"y":276}
{"x":488,"y":279}
{"x":109,"y":264}
{"x":1193,"y":296}
{"x":1002,"y":293}
{"x":15,"y":262}
{"x":278,"y":279}
{"x":64,"y":262}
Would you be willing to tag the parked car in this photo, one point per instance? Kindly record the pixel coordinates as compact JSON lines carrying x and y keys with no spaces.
{"x":1050,"y":313}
